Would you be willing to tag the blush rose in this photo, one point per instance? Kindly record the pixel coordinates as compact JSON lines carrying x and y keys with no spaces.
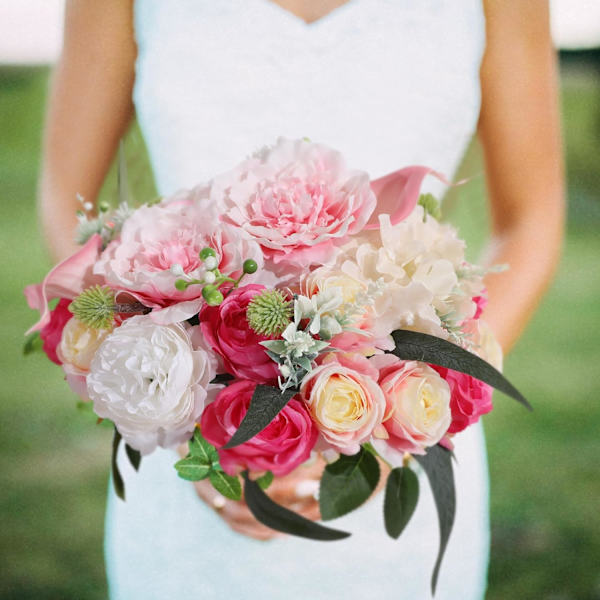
{"x":345,"y":401}
{"x":417,"y":407}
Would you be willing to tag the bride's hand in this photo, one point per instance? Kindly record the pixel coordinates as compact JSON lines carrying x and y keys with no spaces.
{"x":294,"y":491}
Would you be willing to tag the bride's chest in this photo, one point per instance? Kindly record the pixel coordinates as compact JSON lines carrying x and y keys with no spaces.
{"x":247,"y":70}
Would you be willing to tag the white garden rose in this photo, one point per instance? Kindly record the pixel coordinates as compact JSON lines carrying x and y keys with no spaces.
{"x":151,"y":382}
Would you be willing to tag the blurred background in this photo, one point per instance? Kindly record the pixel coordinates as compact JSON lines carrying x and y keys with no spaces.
{"x":544,"y":466}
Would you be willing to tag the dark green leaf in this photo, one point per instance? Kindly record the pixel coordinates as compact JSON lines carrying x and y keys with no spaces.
{"x":116,"y":474}
{"x":32,"y":343}
{"x":437,"y":464}
{"x":223,"y":378}
{"x":203,"y":449}
{"x":347,"y":483}
{"x":413,"y":345}
{"x":195,"y":321}
{"x":228,"y":486}
{"x":266,"y":480}
{"x":135,"y":458}
{"x":401,"y":496}
{"x":265,"y":405}
{"x":277,"y":517}
{"x":192,"y":468}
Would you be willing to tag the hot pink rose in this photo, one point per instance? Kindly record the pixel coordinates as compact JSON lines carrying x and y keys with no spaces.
{"x":52,"y":331}
{"x":280,"y":447}
{"x":470,"y":398}
{"x":344,"y":400}
{"x":155,"y":238}
{"x":226,"y":329}
{"x":297,"y":200}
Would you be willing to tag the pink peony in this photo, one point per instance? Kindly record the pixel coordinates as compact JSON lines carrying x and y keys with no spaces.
{"x":417,"y":407}
{"x":297,"y":199}
{"x":225,"y":328}
{"x":155,"y":238}
{"x":51,"y":332}
{"x":280,"y":447}
{"x":344,"y":400}
{"x":66,"y":280}
{"x":470,"y":398}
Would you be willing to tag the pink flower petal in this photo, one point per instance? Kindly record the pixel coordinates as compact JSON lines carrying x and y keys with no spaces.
{"x":398,"y":193}
{"x":66,"y":280}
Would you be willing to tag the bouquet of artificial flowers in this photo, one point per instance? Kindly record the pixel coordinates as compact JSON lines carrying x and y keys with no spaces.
{"x":289,"y":306}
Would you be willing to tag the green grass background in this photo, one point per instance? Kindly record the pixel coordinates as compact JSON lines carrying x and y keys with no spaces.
{"x":544,"y":466}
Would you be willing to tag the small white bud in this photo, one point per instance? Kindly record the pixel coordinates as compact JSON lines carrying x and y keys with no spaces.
{"x":88,"y":206}
{"x":177,"y":270}
{"x":285,"y":371}
{"x":210,"y":277}
{"x":210,"y":263}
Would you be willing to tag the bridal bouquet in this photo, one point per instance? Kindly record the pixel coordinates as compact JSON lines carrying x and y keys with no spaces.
{"x":287,"y":307}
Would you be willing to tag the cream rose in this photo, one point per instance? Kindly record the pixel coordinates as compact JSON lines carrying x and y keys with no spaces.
{"x":417,"y":407}
{"x":344,"y":400}
{"x":151,"y":382}
{"x":79,"y":343}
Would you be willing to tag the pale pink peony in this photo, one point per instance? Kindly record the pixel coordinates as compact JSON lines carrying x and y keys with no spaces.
{"x":171,"y":233}
{"x":417,"y":407}
{"x":297,"y":199}
{"x":52,"y":331}
{"x":66,"y":280}
{"x":470,"y":398}
{"x":225,"y":327}
{"x":344,"y":400}
{"x":279,"y":448}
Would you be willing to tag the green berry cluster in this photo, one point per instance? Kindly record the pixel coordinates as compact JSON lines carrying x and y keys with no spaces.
{"x":213,"y":279}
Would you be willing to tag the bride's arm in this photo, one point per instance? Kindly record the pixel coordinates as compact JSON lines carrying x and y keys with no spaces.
{"x":89,"y":109}
{"x":520,"y":132}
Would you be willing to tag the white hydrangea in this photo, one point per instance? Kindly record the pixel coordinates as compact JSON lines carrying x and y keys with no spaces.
{"x":419,"y":262}
{"x":151,"y":382}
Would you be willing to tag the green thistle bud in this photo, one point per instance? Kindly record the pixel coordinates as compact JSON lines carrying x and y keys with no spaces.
{"x":95,"y":307}
{"x":212,"y":295}
{"x":250,"y":266}
{"x":206,"y":252}
{"x":269,"y":312}
{"x":431,"y":206}
{"x":103,"y":206}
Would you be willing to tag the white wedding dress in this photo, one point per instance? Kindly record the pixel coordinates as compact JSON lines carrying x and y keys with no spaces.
{"x":389,"y":83}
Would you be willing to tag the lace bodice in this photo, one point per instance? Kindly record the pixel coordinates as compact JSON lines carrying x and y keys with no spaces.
{"x":388,"y":83}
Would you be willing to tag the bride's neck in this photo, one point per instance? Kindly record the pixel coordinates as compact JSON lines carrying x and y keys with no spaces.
{"x":310,"y":10}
